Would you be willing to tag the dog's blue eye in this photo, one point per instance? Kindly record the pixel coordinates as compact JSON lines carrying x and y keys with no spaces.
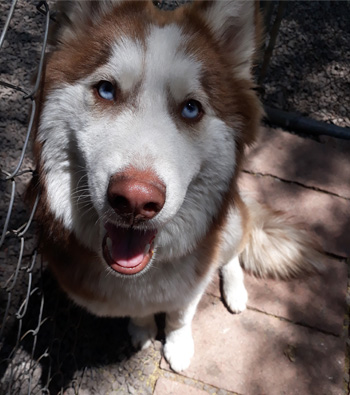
{"x":192,"y":109}
{"x":106,"y":90}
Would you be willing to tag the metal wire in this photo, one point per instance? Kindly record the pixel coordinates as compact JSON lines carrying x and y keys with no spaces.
{"x":9,"y":211}
{"x":7,"y":23}
{"x":19,"y":281}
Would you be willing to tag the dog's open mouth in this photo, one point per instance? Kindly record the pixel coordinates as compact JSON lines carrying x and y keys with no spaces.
{"x":127,"y":250}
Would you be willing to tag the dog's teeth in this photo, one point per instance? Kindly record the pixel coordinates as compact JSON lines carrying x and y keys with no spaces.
{"x":109,"y":244}
{"x":146,"y":250}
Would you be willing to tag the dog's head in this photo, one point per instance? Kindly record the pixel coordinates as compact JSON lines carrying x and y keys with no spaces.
{"x":144,"y":119}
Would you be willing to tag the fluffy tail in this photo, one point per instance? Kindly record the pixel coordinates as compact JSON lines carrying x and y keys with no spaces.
{"x":277,"y":248}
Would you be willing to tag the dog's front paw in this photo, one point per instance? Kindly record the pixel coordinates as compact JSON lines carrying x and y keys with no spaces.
{"x":179,"y":349}
{"x":142,"y":336}
{"x":236,"y":297}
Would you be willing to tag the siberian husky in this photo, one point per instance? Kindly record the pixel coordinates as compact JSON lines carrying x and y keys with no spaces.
{"x":143,"y":121}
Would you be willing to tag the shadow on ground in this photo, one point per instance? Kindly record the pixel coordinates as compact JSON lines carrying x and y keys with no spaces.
{"x":309,"y":70}
{"x":313,"y":165}
{"x":69,"y":343}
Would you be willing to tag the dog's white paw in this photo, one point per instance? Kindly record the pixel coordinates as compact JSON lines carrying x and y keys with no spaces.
{"x":142,"y":336}
{"x":179,"y":349}
{"x":236,"y":297}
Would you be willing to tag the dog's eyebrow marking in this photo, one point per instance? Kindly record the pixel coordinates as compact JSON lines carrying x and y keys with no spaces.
{"x":126,"y":62}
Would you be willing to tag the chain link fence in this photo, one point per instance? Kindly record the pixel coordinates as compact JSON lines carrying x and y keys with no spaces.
{"x":47,"y":344}
{"x":18,"y":257}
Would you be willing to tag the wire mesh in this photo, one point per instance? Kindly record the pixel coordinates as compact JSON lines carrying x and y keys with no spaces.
{"x":47,"y":344}
{"x":17,"y":277}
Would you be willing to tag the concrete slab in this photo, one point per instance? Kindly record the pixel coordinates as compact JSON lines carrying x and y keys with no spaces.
{"x":317,"y":301}
{"x":327,"y":216}
{"x":291,"y":157}
{"x":253,"y":353}
{"x":166,"y":386}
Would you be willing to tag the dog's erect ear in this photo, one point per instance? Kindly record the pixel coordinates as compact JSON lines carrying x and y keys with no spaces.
{"x":74,"y":15}
{"x":235,"y":24}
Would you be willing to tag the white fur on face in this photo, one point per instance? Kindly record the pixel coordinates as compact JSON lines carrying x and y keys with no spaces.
{"x":64,"y":165}
{"x":83,"y":147}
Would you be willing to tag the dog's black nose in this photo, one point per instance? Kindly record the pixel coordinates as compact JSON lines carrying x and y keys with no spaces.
{"x":136,"y":195}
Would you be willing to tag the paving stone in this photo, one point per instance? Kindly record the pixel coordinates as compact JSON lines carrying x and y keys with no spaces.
{"x":338,"y":144}
{"x":253,"y":353}
{"x":295,"y":158}
{"x":170,"y":387}
{"x":326,"y":216}
{"x":317,"y":301}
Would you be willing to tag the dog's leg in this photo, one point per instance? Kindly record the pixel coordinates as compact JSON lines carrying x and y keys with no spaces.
{"x":179,"y":346}
{"x":143,"y":331}
{"x":234,"y":291}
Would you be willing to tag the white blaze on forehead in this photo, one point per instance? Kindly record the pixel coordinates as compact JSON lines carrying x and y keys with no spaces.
{"x":160,"y":63}
{"x":167,"y":67}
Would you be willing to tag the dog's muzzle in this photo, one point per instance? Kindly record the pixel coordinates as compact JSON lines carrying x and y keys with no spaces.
{"x":136,"y":197}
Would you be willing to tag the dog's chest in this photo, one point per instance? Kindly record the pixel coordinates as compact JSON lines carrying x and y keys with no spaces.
{"x":164,"y":287}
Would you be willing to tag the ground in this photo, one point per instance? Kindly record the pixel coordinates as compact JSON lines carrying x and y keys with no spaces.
{"x":291,"y":339}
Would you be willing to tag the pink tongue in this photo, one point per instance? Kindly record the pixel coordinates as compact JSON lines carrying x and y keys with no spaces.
{"x":128,"y":245}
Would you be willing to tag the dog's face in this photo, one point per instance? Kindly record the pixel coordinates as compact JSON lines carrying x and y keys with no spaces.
{"x":143,"y":120}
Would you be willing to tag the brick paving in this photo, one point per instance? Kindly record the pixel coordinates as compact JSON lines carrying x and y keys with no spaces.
{"x":292,"y":338}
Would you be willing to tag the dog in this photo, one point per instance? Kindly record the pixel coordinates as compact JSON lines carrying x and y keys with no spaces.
{"x":143,"y":119}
